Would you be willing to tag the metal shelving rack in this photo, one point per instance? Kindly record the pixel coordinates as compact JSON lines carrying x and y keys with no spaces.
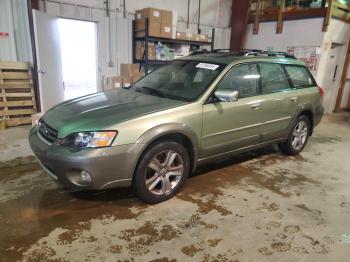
{"x":145,"y":62}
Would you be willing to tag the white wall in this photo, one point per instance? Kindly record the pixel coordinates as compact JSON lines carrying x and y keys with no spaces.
{"x":306,"y":32}
{"x":338,"y":33}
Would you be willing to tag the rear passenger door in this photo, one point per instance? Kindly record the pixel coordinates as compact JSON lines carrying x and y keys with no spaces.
{"x":279,"y":102}
{"x":232,"y":125}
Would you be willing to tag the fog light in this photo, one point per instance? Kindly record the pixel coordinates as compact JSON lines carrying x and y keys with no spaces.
{"x":85,"y":176}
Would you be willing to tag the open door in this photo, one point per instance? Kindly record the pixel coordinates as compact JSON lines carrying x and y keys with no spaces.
{"x":49,"y":63}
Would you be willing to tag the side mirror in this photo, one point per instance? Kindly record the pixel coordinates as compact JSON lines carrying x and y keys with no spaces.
{"x":227,"y":95}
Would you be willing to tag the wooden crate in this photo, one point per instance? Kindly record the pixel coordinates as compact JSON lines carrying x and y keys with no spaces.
{"x":17,"y":99}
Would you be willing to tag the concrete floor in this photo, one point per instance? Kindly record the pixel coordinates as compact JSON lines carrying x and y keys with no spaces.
{"x":260,"y":206}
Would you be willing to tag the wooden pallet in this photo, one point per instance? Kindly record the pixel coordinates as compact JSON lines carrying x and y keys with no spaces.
{"x":17,"y":99}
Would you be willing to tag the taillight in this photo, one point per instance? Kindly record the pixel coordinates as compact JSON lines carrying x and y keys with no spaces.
{"x":320,"y":90}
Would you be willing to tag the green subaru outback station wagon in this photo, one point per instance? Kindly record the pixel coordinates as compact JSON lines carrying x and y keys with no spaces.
{"x":192,"y":111}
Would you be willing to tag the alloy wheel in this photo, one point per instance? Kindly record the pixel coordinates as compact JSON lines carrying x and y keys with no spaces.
{"x":300,"y":133}
{"x":164,"y":172}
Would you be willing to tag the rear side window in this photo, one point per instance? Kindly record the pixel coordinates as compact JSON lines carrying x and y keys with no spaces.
{"x":273,"y":78}
{"x":242,"y":78}
{"x":300,"y":76}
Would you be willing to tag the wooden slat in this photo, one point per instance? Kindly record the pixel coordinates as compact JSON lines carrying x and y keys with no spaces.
{"x":17,"y":112}
{"x":15,"y":85}
{"x":17,"y":103}
{"x":256,"y":18}
{"x":341,"y":6}
{"x":14,"y":65}
{"x":18,"y":121}
{"x":279,"y":27}
{"x":15,"y":75}
{"x":328,"y":16}
{"x":16,"y":95}
{"x":341,"y":14}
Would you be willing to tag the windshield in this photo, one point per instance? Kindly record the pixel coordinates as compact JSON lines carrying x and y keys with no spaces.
{"x":179,"y":80}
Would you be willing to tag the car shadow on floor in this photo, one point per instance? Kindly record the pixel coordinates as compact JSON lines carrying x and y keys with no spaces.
{"x":126,"y":194}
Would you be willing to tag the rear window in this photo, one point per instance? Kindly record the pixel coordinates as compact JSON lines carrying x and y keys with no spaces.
{"x":299,"y":76}
{"x":273,"y":78}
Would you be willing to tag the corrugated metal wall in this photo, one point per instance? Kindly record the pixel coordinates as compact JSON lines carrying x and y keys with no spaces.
{"x":14,"y":20}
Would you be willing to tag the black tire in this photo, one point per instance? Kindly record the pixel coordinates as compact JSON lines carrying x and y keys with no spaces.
{"x":287,"y":146}
{"x":143,"y":172}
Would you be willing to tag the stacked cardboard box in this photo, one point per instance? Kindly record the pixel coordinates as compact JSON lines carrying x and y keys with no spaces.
{"x":159,"y":22}
{"x":129,"y":74}
{"x":140,"y":49}
{"x":191,"y":36}
{"x":166,"y":24}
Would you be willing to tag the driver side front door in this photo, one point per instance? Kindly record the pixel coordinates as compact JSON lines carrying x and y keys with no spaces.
{"x":228,"y":126}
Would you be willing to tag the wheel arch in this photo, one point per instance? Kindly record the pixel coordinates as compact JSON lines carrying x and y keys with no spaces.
{"x":171,"y":132}
{"x":310,"y":116}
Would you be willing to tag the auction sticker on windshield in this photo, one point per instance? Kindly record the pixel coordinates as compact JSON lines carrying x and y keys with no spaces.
{"x":207,"y":66}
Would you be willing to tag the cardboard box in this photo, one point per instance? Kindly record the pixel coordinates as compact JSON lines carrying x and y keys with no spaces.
{"x":181,"y":35}
{"x":153,"y":14}
{"x":189,"y":36}
{"x":138,"y":54}
{"x":167,"y":17}
{"x":138,"y":14}
{"x":203,"y":38}
{"x":166,"y":31}
{"x":127,"y":81}
{"x":195,"y":37}
{"x":117,"y":82}
{"x":166,"y":27}
{"x":135,"y":78}
{"x":129,"y":69}
{"x":140,"y":48}
{"x":153,"y":28}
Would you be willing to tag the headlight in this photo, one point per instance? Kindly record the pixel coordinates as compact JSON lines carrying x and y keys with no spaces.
{"x":89,"y":139}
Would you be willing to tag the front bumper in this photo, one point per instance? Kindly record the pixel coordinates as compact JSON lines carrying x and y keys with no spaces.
{"x":108,"y":167}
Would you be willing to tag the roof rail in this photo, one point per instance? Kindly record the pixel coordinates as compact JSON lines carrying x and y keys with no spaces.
{"x":269,"y":53}
{"x":245,"y":52}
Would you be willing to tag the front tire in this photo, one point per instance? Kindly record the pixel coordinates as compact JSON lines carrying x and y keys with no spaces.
{"x":161,"y":172}
{"x":298,"y":137}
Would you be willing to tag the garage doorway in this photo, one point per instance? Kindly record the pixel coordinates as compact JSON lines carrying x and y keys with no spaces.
{"x":78,"y":42}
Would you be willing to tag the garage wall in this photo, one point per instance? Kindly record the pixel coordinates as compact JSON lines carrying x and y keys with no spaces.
{"x":306,"y":32}
{"x":14,"y":20}
{"x":117,"y":29}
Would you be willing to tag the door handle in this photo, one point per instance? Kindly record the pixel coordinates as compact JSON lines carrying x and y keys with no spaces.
{"x":294,"y":99}
{"x":255,"y":105}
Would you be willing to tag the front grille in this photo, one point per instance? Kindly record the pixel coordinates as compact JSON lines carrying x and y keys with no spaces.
{"x":47,"y":132}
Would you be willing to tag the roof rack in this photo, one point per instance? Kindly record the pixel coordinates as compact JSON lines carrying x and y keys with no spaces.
{"x":269,"y":53}
{"x":246,"y":52}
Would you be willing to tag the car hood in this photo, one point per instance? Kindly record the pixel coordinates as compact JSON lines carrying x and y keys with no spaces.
{"x":102,"y":110}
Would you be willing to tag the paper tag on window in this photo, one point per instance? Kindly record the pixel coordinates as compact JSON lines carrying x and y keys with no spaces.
{"x":207,"y":66}
{"x":138,"y":16}
{"x":156,"y":13}
{"x":167,"y":29}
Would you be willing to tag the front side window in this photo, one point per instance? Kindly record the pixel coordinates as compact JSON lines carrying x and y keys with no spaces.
{"x":242,"y":78}
{"x":299,"y":76}
{"x":273,"y":78}
{"x":180,"y":80}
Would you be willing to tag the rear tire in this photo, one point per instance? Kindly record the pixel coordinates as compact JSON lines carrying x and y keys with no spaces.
{"x":298,"y":137}
{"x":161,"y":172}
